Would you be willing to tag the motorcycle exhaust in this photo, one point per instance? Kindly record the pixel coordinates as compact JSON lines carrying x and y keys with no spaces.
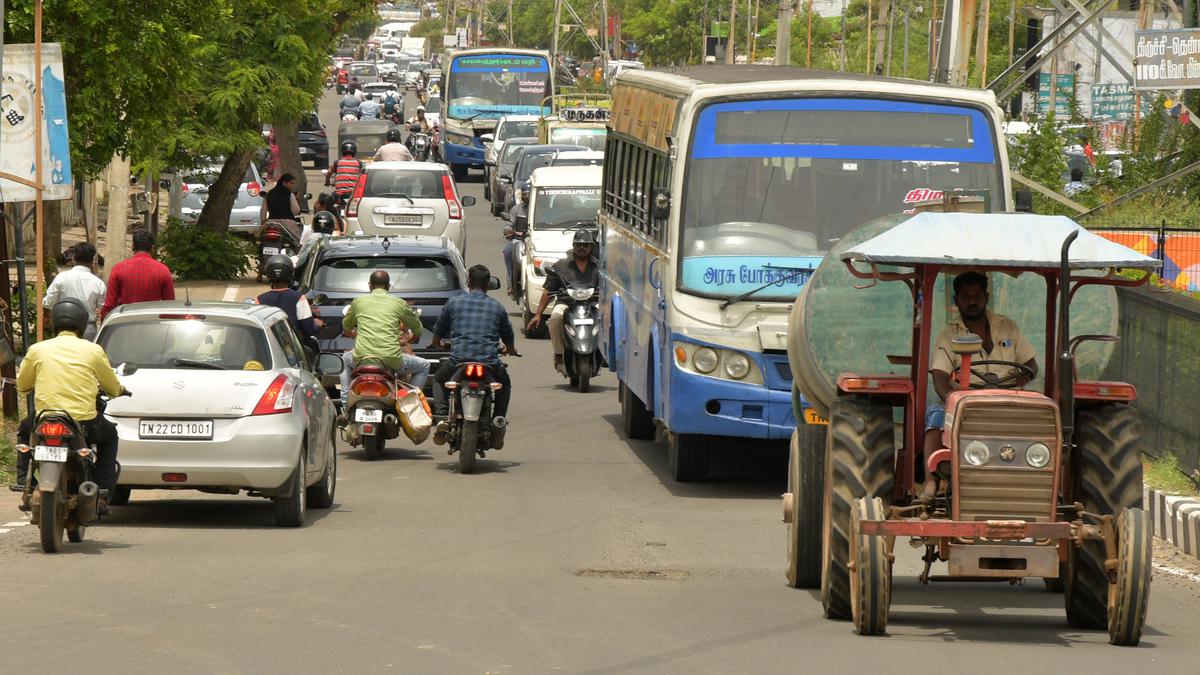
{"x":499,"y":427}
{"x":89,"y":494}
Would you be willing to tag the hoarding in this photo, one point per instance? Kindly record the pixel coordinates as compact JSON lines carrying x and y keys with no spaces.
{"x":1062,"y":98}
{"x":1167,"y":59}
{"x":18,"y":96}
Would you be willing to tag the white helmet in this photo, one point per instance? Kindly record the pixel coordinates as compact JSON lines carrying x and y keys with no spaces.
{"x":420,"y":108}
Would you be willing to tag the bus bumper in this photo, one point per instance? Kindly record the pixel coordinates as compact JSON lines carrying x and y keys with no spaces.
{"x":699,"y":404}
{"x":463,"y":154}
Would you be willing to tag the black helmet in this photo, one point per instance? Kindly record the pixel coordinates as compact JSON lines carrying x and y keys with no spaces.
{"x":323,"y":223}
{"x":393,"y":135}
{"x":69,"y":314}
{"x":583,"y":236}
{"x":349,"y":148}
{"x":415,"y":128}
{"x":279,"y":268}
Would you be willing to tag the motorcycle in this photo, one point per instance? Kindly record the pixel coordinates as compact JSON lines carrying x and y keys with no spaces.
{"x":277,"y":237}
{"x":420,"y":143}
{"x":581,"y":322}
{"x":60,"y":494}
{"x":472,"y":430}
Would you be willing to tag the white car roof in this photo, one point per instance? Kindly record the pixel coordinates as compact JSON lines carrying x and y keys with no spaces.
{"x":406,"y":166}
{"x":518,"y":118}
{"x":567,"y":176}
{"x":238,"y":310}
{"x":580,"y":154}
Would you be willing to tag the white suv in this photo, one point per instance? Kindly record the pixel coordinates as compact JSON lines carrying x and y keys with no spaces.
{"x":394,"y":198}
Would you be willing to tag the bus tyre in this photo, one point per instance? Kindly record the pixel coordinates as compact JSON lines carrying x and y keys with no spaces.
{"x":636,"y":421}
{"x":871,"y":578}
{"x":806,"y":487}
{"x":1129,"y":597}
{"x":1108,"y":480}
{"x":687,"y":457}
{"x":859,"y":463}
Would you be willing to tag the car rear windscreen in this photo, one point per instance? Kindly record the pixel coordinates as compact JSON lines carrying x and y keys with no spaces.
{"x":364,"y":69}
{"x":401,"y":184}
{"x":174,"y":342}
{"x":408,"y":274}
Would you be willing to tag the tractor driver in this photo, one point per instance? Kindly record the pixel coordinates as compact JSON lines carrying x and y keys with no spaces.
{"x":1002,"y":341}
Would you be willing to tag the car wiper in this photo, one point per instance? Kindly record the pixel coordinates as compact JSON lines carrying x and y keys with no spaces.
{"x":397,"y":194}
{"x":190,"y":363}
{"x":797,"y":272}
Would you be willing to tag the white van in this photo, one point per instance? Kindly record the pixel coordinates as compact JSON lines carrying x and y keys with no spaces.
{"x":392,"y":32}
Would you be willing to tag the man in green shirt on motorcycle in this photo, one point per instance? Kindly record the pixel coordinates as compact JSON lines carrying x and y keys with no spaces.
{"x":382,"y":325}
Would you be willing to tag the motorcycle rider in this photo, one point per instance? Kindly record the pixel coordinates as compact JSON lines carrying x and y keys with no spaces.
{"x":580,"y":268}
{"x":279,"y":271}
{"x":393,"y":150}
{"x":475,"y":325}
{"x":369,"y":108}
{"x":280,"y":202}
{"x":349,"y":104}
{"x":63,"y":373}
{"x":377,"y":322}
{"x":344,"y":175}
{"x":515,"y":231}
{"x":326,"y":203}
{"x":323,"y":223}
{"x":420,"y":120}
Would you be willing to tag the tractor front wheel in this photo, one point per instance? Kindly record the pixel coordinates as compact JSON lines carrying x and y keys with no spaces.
{"x":871,"y":578}
{"x":806,"y":478}
{"x":1130,"y":596}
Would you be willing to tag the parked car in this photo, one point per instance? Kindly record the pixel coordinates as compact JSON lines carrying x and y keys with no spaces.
{"x":532,"y":157}
{"x":365,"y":71}
{"x":507,"y":162}
{"x":227,"y":400}
{"x":243,"y":219}
{"x":425,"y":270}
{"x":509,"y":126}
{"x":314,"y":141}
{"x":398,"y":198}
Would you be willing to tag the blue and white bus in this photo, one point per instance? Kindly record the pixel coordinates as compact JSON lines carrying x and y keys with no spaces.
{"x":723,"y":188}
{"x":482,"y":85}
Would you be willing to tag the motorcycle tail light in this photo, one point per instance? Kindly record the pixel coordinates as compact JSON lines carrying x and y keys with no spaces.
{"x":271,"y":234}
{"x":474,"y":370}
{"x":50,"y":430}
{"x":371,"y":387}
{"x":474,"y":384}
{"x":277,"y":398}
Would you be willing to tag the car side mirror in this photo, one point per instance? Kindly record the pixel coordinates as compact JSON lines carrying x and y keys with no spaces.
{"x":488,"y":138}
{"x":966,"y":343}
{"x":329,"y":363}
{"x":506,"y":179}
{"x":493,"y":284}
{"x":660,"y":208}
{"x":468,"y":200}
{"x":490,"y":162}
{"x":1024,"y":200}
{"x":127,"y":368}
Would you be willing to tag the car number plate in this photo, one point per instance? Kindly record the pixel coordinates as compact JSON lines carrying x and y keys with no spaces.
{"x":50,"y":453}
{"x":583,"y":322}
{"x":402,"y":220}
{"x":270,"y":250}
{"x":362,"y":415}
{"x":176,"y":429}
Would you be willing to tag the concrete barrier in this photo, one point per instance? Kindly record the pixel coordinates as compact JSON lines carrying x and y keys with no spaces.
{"x":1177,"y":520}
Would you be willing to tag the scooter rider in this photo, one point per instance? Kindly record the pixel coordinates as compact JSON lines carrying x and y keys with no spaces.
{"x":377,"y":322}
{"x":393,"y":150}
{"x":349,"y":105}
{"x":580,"y":268}
{"x":279,"y":271}
{"x":63,"y":373}
{"x":515,"y":231}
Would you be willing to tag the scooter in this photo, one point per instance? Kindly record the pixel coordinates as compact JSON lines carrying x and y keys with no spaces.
{"x":581,"y":322}
{"x":277,"y":237}
{"x":370,"y":416}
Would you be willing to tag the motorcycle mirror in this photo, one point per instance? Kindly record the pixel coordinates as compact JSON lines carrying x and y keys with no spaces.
{"x":493,"y":284}
{"x":127,"y":368}
{"x":308,"y":195}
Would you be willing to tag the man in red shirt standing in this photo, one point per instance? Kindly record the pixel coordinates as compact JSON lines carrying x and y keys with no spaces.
{"x":138,"y":279}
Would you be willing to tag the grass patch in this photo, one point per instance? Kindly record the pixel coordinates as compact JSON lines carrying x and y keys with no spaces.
{"x":1165,"y":475}
{"x":8,"y":462}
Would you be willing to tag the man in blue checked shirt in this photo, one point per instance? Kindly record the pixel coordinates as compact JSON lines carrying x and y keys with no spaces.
{"x":475,"y":325}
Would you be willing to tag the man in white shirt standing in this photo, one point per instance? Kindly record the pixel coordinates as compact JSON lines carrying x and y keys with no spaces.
{"x":81,"y":283}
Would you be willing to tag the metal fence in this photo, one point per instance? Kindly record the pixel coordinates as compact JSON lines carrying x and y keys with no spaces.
{"x":1177,"y":247}
{"x":1159,"y":353}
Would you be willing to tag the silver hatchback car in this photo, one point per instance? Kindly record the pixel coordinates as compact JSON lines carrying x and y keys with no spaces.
{"x":246,"y":206}
{"x":409,"y":198}
{"x":225,"y":399}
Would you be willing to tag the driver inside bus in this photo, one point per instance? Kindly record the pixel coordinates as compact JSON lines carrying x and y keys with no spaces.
{"x":1002,"y":341}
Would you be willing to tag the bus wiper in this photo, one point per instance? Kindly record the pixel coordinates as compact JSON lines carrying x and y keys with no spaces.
{"x":484,"y":111}
{"x":798,"y":272}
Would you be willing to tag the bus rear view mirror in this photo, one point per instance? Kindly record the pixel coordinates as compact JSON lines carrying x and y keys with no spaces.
{"x":1024,"y":200}
{"x":660,"y":208}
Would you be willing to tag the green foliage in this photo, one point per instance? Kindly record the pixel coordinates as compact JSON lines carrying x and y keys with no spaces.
{"x":1166,"y":474}
{"x":1039,"y":156}
{"x":8,"y":461}
{"x":193,"y":252}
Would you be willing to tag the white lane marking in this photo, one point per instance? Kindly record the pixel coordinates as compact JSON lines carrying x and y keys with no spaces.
{"x":231,"y":292}
{"x":2,"y":530}
{"x":16,"y":523}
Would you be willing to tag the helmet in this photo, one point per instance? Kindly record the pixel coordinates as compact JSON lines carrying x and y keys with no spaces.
{"x":69,"y":314}
{"x":279,"y":268}
{"x":323,"y":222}
{"x":420,"y":108}
{"x":415,"y":128}
{"x":349,"y":148}
{"x":583,"y":236}
{"x":393,"y":135}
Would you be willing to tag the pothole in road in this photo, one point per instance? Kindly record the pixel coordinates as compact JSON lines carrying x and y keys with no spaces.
{"x":670,"y":575}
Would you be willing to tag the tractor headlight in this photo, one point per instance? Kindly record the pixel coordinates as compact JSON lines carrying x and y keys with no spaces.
{"x":1037,"y":455}
{"x":737,"y":365}
{"x":704,"y":360}
{"x":976,"y":453}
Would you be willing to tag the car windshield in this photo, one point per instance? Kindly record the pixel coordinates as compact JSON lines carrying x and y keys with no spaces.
{"x":363,"y":69}
{"x":516,"y":129}
{"x":562,"y":207}
{"x":772,"y":184}
{"x":409,"y":274}
{"x":417,"y":66}
{"x":592,"y":139}
{"x":209,"y":174}
{"x":186,"y":341}
{"x":412,"y":184}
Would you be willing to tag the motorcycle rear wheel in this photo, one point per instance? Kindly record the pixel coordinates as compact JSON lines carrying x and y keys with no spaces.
{"x":51,"y":521}
{"x":470,"y":441}
{"x":373,"y":447}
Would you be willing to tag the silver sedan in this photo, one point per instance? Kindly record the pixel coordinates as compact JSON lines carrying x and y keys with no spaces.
{"x":225,"y":399}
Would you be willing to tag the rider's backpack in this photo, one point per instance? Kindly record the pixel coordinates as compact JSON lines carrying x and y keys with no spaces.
{"x":389,"y":105}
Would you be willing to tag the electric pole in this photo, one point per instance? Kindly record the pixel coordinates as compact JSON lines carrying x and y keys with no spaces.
{"x":729,"y":44}
{"x":783,"y":34}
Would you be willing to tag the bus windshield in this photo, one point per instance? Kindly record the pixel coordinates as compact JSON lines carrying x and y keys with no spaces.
{"x":795,"y":175}
{"x":489,"y":86}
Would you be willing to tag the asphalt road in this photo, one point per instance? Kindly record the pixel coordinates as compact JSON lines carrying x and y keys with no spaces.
{"x":571,"y":551}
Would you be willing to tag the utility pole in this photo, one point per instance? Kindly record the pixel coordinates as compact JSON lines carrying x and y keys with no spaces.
{"x":1012,"y":29}
{"x":883,"y":34}
{"x":604,"y":32}
{"x":981,"y":42}
{"x":891,"y":30}
{"x":730,"y":49}
{"x":905,"y":42}
{"x":783,"y":34}
{"x":842,"y":47}
{"x":557,"y":28}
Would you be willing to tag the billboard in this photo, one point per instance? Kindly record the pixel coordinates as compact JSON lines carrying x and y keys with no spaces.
{"x":18,"y":96}
{"x":1167,"y":59}
{"x":1062,"y":97}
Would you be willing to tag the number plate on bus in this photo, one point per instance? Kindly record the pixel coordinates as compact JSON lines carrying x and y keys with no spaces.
{"x":402,"y":220}
{"x":176,"y":430}
{"x":362,"y":415}
{"x":50,"y":453}
{"x":270,"y":250}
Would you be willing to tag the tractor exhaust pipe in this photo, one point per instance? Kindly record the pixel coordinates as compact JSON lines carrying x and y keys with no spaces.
{"x":1066,"y":361}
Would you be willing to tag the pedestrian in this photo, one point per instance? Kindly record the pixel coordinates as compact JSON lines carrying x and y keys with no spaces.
{"x":80,"y":283}
{"x":138,"y":279}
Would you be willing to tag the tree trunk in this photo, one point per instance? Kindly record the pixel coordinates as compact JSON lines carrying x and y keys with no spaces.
{"x":116,"y":247}
{"x":287,"y":136}
{"x":223,"y":193}
{"x":52,"y":223}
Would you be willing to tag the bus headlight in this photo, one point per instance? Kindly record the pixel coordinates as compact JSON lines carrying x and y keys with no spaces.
{"x":737,"y":366}
{"x":459,"y":139}
{"x":976,"y":453}
{"x":1037,"y":455}
{"x":704,"y":360}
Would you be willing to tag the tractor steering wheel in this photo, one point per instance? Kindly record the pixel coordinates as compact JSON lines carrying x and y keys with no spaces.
{"x":994,"y":381}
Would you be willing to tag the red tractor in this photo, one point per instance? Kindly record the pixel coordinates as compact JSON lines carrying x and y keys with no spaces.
{"x":1028,"y":483}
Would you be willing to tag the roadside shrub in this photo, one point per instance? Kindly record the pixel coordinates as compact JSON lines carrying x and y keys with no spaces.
{"x":194,"y":252}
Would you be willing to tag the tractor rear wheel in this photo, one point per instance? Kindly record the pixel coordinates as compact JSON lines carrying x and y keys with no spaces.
{"x":1129,"y":598}
{"x":871,"y":578}
{"x":1108,"y":480}
{"x":806,"y":487}
{"x":860,"y":462}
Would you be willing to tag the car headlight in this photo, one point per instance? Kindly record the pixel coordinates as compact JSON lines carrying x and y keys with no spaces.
{"x":581,"y":293}
{"x":976,"y":453}
{"x":1037,"y":455}
{"x":704,"y":360}
{"x":737,"y":365}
